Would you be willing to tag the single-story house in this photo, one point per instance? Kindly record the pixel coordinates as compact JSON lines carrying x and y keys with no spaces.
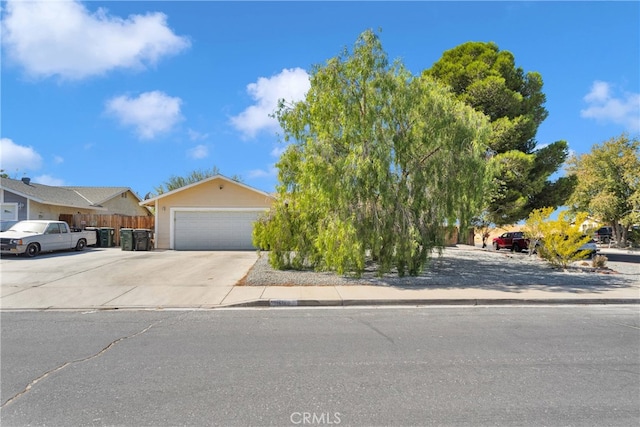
{"x":23,"y":199}
{"x":590,"y":224}
{"x":216,"y":213}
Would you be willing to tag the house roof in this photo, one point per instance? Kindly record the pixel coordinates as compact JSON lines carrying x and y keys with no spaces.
{"x":152,"y":200}
{"x":78,"y":197}
{"x":99,"y":195}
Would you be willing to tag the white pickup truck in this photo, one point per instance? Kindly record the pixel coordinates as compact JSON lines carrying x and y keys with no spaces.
{"x":35,"y":236}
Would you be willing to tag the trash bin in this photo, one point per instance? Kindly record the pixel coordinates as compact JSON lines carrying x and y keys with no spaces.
{"x":126,"y":239}
{"x":106,"y":237}
{"x":142,"y":239}
{"x":97,"y":231}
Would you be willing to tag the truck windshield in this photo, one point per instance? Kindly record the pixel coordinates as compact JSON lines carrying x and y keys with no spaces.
{"x":29,"y":227}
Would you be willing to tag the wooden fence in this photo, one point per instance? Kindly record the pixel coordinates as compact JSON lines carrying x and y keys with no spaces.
{"x":113,"y":221}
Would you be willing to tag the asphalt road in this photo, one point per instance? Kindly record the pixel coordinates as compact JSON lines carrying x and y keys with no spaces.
{"x":623,"y":261}
{"x":525,"y":366}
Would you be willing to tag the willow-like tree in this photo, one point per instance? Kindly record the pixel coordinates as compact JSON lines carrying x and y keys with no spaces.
{"x":486,"y":78}
{"x":379,"y":163}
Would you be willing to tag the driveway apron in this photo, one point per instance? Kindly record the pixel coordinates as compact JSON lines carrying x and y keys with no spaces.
{"x":112,"y":278}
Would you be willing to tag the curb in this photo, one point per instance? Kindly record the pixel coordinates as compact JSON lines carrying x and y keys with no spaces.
{"x":287,"y":303}
{"x":284,"y":303}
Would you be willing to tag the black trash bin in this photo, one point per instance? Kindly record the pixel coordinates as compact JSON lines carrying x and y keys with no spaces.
{"x":126,"y":239}
{"x":142,"y":239}
{"x":106,"y":237}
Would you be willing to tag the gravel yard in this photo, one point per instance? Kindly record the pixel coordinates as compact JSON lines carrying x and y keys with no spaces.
{"x":469,"y":267}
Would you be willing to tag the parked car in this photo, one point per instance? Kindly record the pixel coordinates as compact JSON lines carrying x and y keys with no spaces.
{"x":604,"y":234}
{"x":513,"y":240}
{"x":32,"y":237}
{"x":591,"y":247}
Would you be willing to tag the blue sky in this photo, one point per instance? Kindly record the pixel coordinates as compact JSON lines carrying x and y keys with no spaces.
{"x":130,"y":93}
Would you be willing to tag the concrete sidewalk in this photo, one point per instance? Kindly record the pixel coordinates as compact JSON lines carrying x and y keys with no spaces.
{"x":202,"y":297}
{"x":276,"y":296}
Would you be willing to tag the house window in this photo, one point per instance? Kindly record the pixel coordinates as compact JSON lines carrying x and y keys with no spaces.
{"x":9,"y":212}
{"x":123,"y":195}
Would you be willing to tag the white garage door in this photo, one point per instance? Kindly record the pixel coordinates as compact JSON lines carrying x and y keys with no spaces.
{"x":214,"y":230}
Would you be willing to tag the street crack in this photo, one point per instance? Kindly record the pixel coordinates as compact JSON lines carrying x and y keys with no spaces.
{"x":73,"y":362}
{"x":378,"y":331}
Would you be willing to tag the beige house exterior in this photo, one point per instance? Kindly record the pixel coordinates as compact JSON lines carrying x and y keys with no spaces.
{"x":590,"y":224}
{"x":216,"y":213}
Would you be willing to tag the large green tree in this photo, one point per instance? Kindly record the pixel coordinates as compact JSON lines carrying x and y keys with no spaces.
{"x":486,"y":78}
{"x":379,"y":162}
{"x":609,"y":182}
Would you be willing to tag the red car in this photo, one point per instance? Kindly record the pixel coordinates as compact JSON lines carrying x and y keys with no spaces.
{"x":513,"y":240}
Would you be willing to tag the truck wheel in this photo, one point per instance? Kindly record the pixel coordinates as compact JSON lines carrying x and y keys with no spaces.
{"x":496,"y":246}
{"x":32,"y":250}
{"x":516,"y":247}
{"x":81,"y":244}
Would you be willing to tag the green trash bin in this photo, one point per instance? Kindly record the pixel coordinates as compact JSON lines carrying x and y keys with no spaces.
{"x":126,"y":239}
{"x":106,"y":237}
{"x":142,"y":239}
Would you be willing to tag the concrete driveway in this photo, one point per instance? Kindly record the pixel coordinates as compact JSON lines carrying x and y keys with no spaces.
{"x":111,"y":278}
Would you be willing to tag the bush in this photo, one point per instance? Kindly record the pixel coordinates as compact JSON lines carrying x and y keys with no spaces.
{"x":599,"y":261}
{"x":559,"y":240}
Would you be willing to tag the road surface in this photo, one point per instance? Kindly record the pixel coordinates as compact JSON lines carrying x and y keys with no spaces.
{"x":526,"y":366}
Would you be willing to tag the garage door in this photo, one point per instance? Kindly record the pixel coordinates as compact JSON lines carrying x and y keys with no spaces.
{"x":214,"y":230}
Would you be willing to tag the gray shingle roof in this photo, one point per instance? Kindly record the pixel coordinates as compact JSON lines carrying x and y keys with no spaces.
{"x":84,"y":197}
{"x":98,"y":195}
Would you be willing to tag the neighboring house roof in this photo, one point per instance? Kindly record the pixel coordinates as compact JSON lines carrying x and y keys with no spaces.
{"x":152,"y":200}
{"x":79,"y":197}
{"x":99,"y":195}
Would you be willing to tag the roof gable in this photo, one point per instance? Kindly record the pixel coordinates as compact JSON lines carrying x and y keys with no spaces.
{"x":99,"y":195}
{"x":152,"y":200}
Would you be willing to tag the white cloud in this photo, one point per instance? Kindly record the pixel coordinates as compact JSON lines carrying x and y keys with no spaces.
{"x":607,"y":107}
{"x":290,"y":84}
{"x":63,"y":38}
{"x":278,"y":151}
{"x":198,"y":152}
{"x":58,"y":159}
{"x":197,"y":136}
{"x":48,"y":180}
{"x":18,"y":158}
{"x":151,"y":113}
{"x":261,"y":173}
{"x":599,"y":92}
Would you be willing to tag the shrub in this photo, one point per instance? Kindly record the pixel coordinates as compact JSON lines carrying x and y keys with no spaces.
{"x":599,"y":261}
{"x":560,"y":239}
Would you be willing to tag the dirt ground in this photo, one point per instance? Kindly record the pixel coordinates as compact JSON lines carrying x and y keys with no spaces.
{"x":465,"y":266}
